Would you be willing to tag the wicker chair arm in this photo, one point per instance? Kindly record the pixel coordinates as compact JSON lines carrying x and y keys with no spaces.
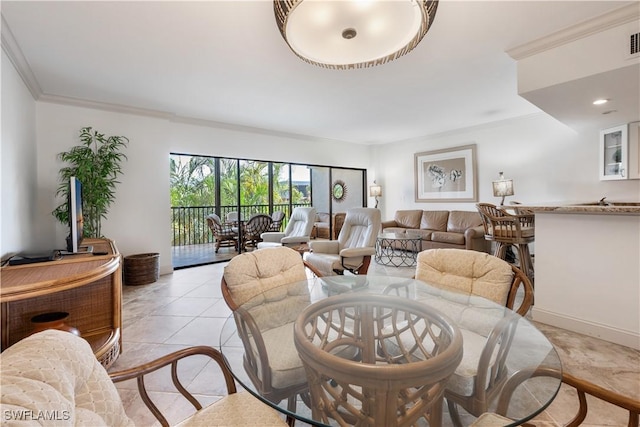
{"x":583,"y":387}
{"x":138,"y":373}
{"x":257,"y":366}
{"x":520,"y":279}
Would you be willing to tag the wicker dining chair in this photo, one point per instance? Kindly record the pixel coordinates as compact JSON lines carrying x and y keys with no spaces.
{"x":389,"y":384}
{"x":505,"y":229}
{"x":273,"y":282}
{"x":224,"y":235}
{"x":253,"y":229}
{"x":478,"y":379}
{"x":581,"y":389}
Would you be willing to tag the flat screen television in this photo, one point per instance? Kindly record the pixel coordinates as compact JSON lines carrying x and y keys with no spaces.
{"x":76,"y":220}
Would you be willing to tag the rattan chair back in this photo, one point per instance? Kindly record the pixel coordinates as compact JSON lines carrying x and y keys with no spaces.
{"x":388,"y":383}
{"x":254,"y":228}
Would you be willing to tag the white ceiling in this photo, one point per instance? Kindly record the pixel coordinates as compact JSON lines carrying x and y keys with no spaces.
{"x":226,"y":62}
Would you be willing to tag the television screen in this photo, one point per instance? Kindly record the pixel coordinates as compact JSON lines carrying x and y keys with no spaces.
{"x":76,"y":221}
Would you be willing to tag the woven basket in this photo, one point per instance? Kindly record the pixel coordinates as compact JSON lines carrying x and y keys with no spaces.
{"x":141,"y":269}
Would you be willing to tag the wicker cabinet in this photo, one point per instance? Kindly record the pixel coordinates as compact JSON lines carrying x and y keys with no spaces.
{"x":87,"y":286}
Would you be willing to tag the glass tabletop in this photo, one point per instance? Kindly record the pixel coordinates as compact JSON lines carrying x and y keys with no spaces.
{"x":522,"y":350}
{"x":399,"y":236}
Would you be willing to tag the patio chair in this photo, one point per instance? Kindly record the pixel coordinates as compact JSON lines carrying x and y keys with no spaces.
{"x":224,"y":235}
{"x":252,"y":230}
{"x":273,"y":282}
{"x":354,"y":247}
{"x":298,"y":230}
{"x":277,"y":217}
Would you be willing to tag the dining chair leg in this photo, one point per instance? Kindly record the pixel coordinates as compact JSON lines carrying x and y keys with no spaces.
{"x":291,"y":407}
{"x":526,"y":264}
{"x":501,"y":250}
{"x":453,"y":413}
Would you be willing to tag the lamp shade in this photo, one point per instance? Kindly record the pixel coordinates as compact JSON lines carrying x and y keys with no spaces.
{"x":375,"y":191}
{"x":502,"y":187}
{"x":345,"y":34}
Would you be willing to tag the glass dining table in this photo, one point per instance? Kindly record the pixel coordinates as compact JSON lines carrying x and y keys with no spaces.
{"x":523,"y":349}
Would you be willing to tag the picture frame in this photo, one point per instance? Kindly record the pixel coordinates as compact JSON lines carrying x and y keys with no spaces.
{"x":446,"y":175}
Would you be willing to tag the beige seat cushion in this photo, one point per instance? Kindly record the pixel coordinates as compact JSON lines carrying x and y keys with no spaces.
{"x":489,"y":419}
{"x":238,"y":409}
{"x":470,"y":272}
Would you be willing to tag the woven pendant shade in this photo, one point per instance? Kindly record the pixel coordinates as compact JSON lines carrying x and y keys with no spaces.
{"x":348,"y":34}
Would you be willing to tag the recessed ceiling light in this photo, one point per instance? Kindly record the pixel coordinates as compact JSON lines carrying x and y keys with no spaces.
{"x":600,"y":101}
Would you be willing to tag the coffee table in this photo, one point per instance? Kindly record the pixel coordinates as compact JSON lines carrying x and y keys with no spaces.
{"x":397,"y":249}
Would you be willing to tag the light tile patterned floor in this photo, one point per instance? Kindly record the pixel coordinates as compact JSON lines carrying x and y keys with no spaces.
{"x":186,"y":308}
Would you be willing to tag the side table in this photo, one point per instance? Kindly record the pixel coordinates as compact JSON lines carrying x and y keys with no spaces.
{"x":397,"y":249}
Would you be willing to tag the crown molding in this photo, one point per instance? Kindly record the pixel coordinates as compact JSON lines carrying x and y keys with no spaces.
{"x":124,"y":109}
{"x":614,"y":18}
{"x":17,"y":58}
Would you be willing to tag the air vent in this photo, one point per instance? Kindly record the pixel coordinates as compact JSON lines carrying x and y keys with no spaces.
{"x":634,"y":43}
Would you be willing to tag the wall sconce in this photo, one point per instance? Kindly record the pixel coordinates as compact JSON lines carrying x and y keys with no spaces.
{"x":375,"y":191}
{"x":502,"y":187}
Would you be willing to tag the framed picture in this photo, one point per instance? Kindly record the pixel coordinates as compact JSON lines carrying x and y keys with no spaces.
{"x":447,"y":175}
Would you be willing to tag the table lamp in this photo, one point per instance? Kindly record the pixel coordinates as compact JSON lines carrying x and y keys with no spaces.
{"x":502,"y":187}
{"x":375,"y":191}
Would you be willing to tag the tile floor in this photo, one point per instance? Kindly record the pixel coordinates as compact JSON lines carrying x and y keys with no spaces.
{"x":186,"y":308}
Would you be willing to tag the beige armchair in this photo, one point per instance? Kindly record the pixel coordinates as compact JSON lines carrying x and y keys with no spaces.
{"x":298,"y":230}
{"x":55,"y":375}
{"x":354,"y":247}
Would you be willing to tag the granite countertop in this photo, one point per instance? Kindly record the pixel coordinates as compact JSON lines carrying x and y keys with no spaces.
{"x":617,"y":208}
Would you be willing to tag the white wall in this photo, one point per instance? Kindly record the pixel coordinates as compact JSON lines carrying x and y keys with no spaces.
{"x":18,"y":178}
{"x":547,"y":161}
{"x":587,"y":274}
{"x":139,"y":221}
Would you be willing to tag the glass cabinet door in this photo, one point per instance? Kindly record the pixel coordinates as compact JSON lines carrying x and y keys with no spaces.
{"x":613,"y":153}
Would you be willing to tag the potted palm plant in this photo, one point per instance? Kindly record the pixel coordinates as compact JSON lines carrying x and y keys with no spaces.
{"x":96,"y":163}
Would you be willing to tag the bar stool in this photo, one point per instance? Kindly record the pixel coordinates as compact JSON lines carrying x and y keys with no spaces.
{"x":517,"y":230}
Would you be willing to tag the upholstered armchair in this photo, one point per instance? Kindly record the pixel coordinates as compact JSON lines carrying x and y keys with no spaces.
{"x":55,"y":375}
{"x":354,"y":247}
{"x":298,"y":230}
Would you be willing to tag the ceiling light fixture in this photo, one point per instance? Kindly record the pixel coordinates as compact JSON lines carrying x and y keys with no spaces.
{"x":600,"y":101}
{"x":347,"y":34}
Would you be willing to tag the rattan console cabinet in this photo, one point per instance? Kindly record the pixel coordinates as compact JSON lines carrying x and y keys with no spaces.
{"x":87,"y":286}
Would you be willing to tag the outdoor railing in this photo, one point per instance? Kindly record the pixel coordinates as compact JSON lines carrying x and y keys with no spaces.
{"x":189,"y":223}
